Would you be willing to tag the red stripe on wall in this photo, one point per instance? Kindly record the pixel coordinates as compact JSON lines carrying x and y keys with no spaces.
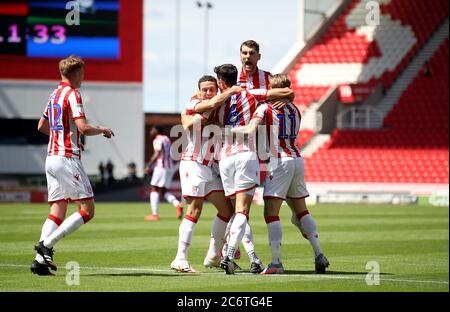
{"x":17,"y":9}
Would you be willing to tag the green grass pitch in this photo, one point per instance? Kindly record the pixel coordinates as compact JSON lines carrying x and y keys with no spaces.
{"x":119,"y":251}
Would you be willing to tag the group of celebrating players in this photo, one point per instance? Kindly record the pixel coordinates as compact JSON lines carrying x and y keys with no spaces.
{"x":221,"y":163}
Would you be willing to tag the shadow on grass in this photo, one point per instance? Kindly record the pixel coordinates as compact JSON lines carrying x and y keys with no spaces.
{"x":140,"y":274}
{"x":286,"y":272}
{"x":329,"y":273}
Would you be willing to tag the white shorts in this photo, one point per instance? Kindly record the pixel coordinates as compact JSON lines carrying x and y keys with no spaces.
{"x":66,"y":179}
{"x":197,"y":180}
{"x":239,"y":173}
{"x":286,"y":179}
{"x":162,"y":177}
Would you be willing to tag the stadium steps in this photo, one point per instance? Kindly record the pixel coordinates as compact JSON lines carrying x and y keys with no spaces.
{"x":314,"y":144}
{"x":412,"y":148}
{"x":406,"y":78}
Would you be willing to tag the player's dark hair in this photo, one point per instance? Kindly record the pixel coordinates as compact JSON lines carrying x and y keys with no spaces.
{"x":159,"y":129}
{"x":207,"y":78}
{"x":251,"y":44}
{"x":228,"y":73}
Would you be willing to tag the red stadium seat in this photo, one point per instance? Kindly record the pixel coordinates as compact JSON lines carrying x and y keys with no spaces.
{"x":414,"y":150}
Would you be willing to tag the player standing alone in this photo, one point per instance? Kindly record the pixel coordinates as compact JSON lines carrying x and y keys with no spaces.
{"x":64,"y":121}
{"x":163,"y":170}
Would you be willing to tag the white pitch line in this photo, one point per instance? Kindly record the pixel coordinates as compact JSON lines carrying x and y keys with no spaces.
{"x":322,"y":276}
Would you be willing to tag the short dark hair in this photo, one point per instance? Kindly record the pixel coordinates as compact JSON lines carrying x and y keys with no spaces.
{"x":159,"y":129}
{"x":207,"y":78}
{"x":228,"y":73}
{"x":251,"y":44}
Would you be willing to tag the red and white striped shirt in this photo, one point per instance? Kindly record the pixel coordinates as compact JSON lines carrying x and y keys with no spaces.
{"x":199,"y":149}
{"x":63,"y":108}
{"x":282,"y":126}
{"x":238,"y":111}
{"x":161,"y":145}
{"x":259,"y":80}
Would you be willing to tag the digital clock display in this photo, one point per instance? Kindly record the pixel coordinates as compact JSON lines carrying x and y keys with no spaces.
{"x":35,"y":28}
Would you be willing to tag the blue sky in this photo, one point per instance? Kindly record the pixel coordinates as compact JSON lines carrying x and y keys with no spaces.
{"x":273,"y":24}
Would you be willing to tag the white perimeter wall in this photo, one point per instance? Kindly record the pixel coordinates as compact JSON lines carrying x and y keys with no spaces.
{"x":115,"y":105}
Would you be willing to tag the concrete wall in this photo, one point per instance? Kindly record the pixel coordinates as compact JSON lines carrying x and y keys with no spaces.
{"x":115,"y":105}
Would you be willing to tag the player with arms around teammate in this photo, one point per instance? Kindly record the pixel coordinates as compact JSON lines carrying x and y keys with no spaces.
{"x":199,"y":181}
{"x":163,"y":169}
{"x":250,"y":78}
{"x":64,"y":121}
{"x":285,"y":180}
{"x":239,"y":166}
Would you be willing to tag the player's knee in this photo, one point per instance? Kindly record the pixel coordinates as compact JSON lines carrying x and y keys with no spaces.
{"x":87,"y":210}
{"x":154,"y":189}
{"x":195,"y":209}
{"x":295,"y":221}
{"x":226,"y":213}
{"x":87,"y":214}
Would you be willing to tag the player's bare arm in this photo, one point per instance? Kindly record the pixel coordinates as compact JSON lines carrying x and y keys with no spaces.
{"x":216,"y":101}
{"x":197,"y":95}
{"x":250,"y":128}
{"x":187,"y":121}
{"x":151,"y":162}
{"x":44,"y":126}
{"x":87,"y":129}
{"x":281,"y":93}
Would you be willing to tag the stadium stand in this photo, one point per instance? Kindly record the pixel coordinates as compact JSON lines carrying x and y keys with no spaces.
{"x":352,"y":52}
{"x":411,"y":148}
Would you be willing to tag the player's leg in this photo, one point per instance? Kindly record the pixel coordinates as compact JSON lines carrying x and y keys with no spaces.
{"x":55,"y":218}
{"x":276,"y":186}
{"x":73,"y":183}
{"x":185,"y":231}
{"x":243,"y":202}
{"x":226,"y":237}
{"x":247,"y":241}
{"x":171,"y":199}
{"x":247,"y":178}
{"x":193,"y":183}
{"x":225,"y":211}
{"x":157,"y":181}
{"x":227,"y":172}
{"x":271,"y":216}
{"x":154,"y":204}
{"x":168,"y":196}
{"x":68,"y":226}
{"x":308,"y":227}
{"x":301,"y":217}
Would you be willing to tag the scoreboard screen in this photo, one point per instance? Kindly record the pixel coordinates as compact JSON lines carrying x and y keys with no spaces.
{"x":58,"y":28}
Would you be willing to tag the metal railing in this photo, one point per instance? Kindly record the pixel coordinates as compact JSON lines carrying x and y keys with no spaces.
{"x":357,"y":117}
